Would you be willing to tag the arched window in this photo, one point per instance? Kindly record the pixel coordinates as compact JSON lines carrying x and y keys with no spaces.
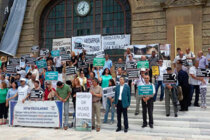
{"x":60,"y":20}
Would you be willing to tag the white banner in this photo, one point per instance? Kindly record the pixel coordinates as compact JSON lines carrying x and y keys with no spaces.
{"x":62,"y":44}
{"x":115,"y":41}
{"x":89,"y":43}
{"x":36,"y":113}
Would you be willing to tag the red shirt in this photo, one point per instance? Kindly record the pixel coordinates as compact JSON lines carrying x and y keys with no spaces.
{"x":47,"y":93}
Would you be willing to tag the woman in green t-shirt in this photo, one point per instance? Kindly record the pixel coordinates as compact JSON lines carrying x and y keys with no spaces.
{"x":104,"y":79}
{"x":3,"y":108}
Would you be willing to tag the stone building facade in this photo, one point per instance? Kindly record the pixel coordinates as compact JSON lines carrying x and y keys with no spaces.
{"x":152,"y":21}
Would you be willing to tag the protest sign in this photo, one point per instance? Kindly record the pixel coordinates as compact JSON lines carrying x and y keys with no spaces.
{"x":51,"y":75}
{"x":30,"y":60}
{"x":203,"y":73}
{"x":133,"y":74}
{"x":36,"y":113}
{"x":44,"y":52}
{"x":120,"y":65}
{"x":115,"y":41}
{"x":65,"y":57}
{"x":83,"y":111}
{"x":55,"y":53}
{"x":41,"y":64}
{"x":62,"y":44}
{"x":155,"y":71}
{"x":169,"y":79}
{"x":143,"y":64}
{"x":146,"y":50}
{"x":145,"y":90}
{"x":35,"y":49}
{"x":99,"y":62}
{"x":82,"y":64}
{"x":131,"y":65}
{"x":11,"y":69}
{"x":90,"y":43}
{"x":14,"y":61}
{"x":108,"y":92}
{"x":70,"y":70}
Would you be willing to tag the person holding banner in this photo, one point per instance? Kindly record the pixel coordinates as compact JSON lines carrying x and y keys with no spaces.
{"x":11,"y":92}
{"x":49,"y":93}
{"x":152,"y":62}
{"x":3,"y":107}
{"x":122,"y":101}
{"x":83,"y":80}
{"x":63,"y":93}
{"x":147,"y":104}
{"x":37,"y":93}
{"x":171,"y":93}
{"x":96,"y":92}
{"x":203,"y":62}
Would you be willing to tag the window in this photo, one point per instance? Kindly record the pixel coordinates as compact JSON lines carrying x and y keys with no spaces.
{"x":106,"y":17}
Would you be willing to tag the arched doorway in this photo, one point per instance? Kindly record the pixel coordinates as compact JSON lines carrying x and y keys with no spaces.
{"x":60,"y":20}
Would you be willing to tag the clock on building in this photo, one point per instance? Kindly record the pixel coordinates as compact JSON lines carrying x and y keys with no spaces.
{"x":83,"y":7}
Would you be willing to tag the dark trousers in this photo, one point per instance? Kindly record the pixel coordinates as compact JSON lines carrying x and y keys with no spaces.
{"x":130,"y":85}
{"x":150,"y":75}
{"x":121,"y":110}
{"x":147,"y":106}
{"x":3,"y":111}
{"x":195,"y":88}
{"x":186,"y":94}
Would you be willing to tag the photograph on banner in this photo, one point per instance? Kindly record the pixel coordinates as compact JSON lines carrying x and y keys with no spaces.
{"x":14,"y":61}
{"x":143,"y":64}
{"x":30,"y":60}
{"x":133,"y":74}
{"x":108,"y":92}
{"x":41,"y":64}
{"x":165,"y":51}
{"x":44,"y":52}
{"x":51,"y":76}
{"x":99,"y":62}
{"x":83,"y":111}
{"x":131,"y":65}
{"x":169,"y":78}
{"x":55,"y":53}
{"x":146,"y":90}
{"x":115,"y":41}
{"x":62,"y":44}
{"x":70,"y":70}
{"x":203,"y":73}
{"x":82,"y":64}
{"x":90,"y":43}
{"x":35,"y":49}
{"x":120,"y":65}
{"x":155,"y":71}
{"x":146,"y":50}
{"x":91,"y":55}
{"x":36,"y":113}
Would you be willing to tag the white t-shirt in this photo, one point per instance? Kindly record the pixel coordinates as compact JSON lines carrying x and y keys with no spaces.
{"x":190,"y":62}
{"x":35,"y":72}
{"x":57,"y":61}
{"x":178,"y":58}
{"x":193,"y":81}
{"x":162,"y":70}
{"x":121,"y":90}
{"x":23,"y":91}
{"x":202,"y":85}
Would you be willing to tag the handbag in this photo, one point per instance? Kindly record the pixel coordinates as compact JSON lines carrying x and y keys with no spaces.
{"x":180,"y":94}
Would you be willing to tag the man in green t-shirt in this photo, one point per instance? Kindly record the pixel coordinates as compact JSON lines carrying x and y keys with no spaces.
{"x":63,"y":93}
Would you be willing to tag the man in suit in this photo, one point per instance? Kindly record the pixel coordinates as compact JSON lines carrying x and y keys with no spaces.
{"x":122,"y":102}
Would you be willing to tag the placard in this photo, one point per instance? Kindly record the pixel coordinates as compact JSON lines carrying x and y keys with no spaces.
{"x":155,"y":71}
{"x":70,"y":70}
{"x":169,"y":78}
{"x":115,"y":41}
{"x":99,"y":62}
{"x":90,"y":43}
{"x":55,"y":53}
{"x":11,"y":69}
{"x":82,"y":65}
{"x":14,"y":61}
{"x":62,"y":44}
{"x":108,"y":92}
{"x":143,"y":64}
{"x":131,"y":65}
{"x":133,"y":74}
{"x":145,"y":50}
{"x":203,"y":73}
{"x":51,"y":75}
{"x":36,"y":113}
{"x":41,"y":64}
{"x":145,"y":90}
{"x":83,"y":111}
{"x":30,"y":60}
{"x":44,"y":52}
{"x":65,"y":57}
{"x":89,"y":58}
{"x":35,"y":49}
{"x":120,"y":65}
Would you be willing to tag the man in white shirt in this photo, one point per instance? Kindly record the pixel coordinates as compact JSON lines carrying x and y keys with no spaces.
{"x":35,"y":71}
{"x":159,"y":80}
{"x":190,"y":56}
{"x":58,"y":64}
{"x":181,"y":56}
{"x":194,"y":83}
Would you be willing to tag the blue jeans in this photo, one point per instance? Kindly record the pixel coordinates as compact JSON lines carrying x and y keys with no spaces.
{"x":157,"y":85}
{"x":108,"y":105}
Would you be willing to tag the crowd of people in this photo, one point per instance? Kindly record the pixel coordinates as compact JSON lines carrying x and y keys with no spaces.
{"x":29,"y":84}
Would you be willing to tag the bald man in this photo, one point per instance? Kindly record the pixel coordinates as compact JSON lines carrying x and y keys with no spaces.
{"x":203,"y":62}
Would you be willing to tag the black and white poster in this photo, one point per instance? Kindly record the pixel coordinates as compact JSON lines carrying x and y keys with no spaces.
{"x":14,"y":61}
{"x":30,"y":60}
{"x":108,"y":92}
{"x":70,"y":70}
{"x":131,"y":65}
{"x":120,"y":65}
{"x":62,"y":44}
{"x":35,"y":49}
{"x":169,"y":78}
{"x":133,"y":74}
{"x":82,"y":64}
{"x":44,"y":52}
{"x":203,"y":73}
{"x":11,"y":69}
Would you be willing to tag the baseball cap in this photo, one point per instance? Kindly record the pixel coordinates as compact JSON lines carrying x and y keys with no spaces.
{"x":143,"y":69}
{"x":22,"y":79}
{"x":169,"y":68}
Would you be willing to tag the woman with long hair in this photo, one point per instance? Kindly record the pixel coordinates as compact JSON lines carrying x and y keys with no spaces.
{"x":11,"y":92}
{"x":104,"y":79}
{"x":83,"y":80}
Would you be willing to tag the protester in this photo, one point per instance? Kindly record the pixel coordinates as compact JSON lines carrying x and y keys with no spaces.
{"x":147,"y":104}
{"x":74,"y":59}
{"x":152,"y":62}
{"x":90,"y":79}
{"x":11,"y":92}
{"x":49,"y":93}
{"x":190,"y":57}
{"x":63,"y":92}
{"x":110,"y":104}
{"x":122,"y":102}
{"x":159,"y":80}
{"x":203,"y":62}
{"x":120,"y":74}
{"x":34,"y":71}
{"x":76,"y":87}
{"x":183,"y":82}
{"x":37,"y":93}
{"x":208,"y":57}
{"x":96,"y":92}
{"x":104,"y":79}
{"x":203,"y":90}
{"x":171,"y":94}
{"x":3,"y":107}
{"x":194,"y":84}
{"x":127,"y":54}
{"x":83,"y":80}
{"x":180,"y":56}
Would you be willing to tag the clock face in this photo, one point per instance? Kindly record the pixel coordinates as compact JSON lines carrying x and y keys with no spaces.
{"x":83,"y":8}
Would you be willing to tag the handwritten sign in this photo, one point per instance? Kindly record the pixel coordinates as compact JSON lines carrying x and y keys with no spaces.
{"x":99,"y":62}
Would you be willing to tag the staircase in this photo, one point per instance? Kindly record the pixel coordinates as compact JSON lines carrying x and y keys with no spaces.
{"x":192,"y":124}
